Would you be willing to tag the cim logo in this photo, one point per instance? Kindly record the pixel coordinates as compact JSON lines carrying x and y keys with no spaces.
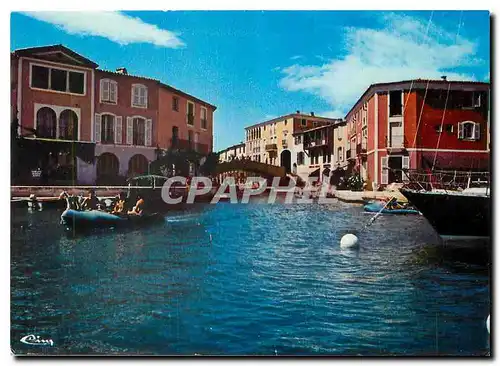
{"x":33,"y":340}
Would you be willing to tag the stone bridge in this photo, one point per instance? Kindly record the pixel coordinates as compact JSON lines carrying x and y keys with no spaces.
{"x":252,"y":167}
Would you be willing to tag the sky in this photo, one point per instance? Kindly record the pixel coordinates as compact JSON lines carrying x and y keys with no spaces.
{"x":257,"y":65}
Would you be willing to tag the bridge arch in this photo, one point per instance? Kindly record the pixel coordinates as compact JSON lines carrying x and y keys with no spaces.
{"x":251,"y":167}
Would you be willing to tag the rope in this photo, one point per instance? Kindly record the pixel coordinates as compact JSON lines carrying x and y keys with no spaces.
{"x":442,"y":122}
{"x":421,"y":112}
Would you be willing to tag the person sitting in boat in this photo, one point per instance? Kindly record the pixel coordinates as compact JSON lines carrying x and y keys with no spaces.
{"x":119,"y":207}
{"x":139,"y":206}
{"x":91,"y":201}
{"x":394,"y":204}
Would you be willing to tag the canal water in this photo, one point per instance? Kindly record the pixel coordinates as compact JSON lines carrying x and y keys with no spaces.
{"x":255,"y":279}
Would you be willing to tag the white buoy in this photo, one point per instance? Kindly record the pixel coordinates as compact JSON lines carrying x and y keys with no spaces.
{"x":349,"y":241}
{"x":488,"y":323}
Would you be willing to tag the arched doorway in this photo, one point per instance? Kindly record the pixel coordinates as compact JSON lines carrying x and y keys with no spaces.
{"x":137,"y":165}
{"x":107,"y":168}
{"x":68,"y":125}
{"x":286,"y":160}
{"x":46,"y":123}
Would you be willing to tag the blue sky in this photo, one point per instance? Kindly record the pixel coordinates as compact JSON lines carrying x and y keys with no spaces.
{"x":258,"y":65}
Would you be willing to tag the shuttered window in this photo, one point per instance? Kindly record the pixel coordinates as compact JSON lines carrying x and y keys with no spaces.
{"x":109,"y":91}
{"x":469,"y":130}
{"x":139,"y":96}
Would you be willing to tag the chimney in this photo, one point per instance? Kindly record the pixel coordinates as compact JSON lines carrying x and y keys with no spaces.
{"x":122,"y":70}
{"x":443,"y":77}
{"x":298,"y":112}
{"x":312,"y":114}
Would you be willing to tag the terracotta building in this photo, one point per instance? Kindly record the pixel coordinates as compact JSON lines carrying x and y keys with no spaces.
{"x":92,"y":125}
{"x":419,"y":124}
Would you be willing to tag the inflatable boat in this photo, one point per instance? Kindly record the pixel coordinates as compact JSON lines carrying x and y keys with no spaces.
{"x":375,"y":207}
{"x":95,"y":219}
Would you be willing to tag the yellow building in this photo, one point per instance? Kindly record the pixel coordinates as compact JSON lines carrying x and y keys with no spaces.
{"x":272,"y":141}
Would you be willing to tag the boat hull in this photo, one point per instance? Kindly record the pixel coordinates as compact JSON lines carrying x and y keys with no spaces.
{"x":454,"y":216}
{"x":99,"y":219}
{"x":376,"y":207}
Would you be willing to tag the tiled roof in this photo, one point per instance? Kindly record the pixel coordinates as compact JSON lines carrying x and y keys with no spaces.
{"x":295,"y":115}
{"x":414,"y":84}
{"x":33,"y":51}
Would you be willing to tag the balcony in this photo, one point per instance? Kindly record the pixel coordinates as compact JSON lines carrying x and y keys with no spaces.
{"x":361,"y":148}
{"x":271,"y":147}
{"x":395,"y":142}
{"x":309,"y":144}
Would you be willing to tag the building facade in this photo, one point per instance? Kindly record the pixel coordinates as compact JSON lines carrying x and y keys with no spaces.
{"x":272,"y":142}
{"x":232,"y":152}
{"x":419,"y":124}
{"x":99,"y":126}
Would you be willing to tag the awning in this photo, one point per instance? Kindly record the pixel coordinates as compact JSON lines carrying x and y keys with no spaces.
{"x":38,"y":147}
{"x":314,"y":173}
{"x":456,"y":161}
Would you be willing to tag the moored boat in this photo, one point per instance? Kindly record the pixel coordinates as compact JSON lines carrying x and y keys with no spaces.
{"x":96,"y":218}
{"x":376,"y":207}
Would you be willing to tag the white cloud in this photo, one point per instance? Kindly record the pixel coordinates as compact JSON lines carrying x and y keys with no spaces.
{"x":296,"y":57}
{"x":405,"y":48}
{"x":115,"y":26}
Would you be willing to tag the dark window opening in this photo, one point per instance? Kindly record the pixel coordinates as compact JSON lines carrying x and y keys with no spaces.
{"x":40,"y":77}
{"x":58,"y":80}
{"x":76,"y":82}
{"x":107,"y":129}
{"x":395,"y":107}
{"x":449,"y":128}
{"x":139,"y":132}
{"x":175,"y":104}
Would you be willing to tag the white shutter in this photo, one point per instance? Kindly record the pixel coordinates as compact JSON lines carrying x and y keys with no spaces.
{"x":135,"y":95}
{"x":144,"y":101}
{"x":113,"y":91}
{"x":130,"y":131}
{"x":97,"y":128}
{"x":460,"y":130}
{"x":104,"y":90}
{"x":147,"y":133}
{"x":384,"y":172}
{"x":405,"y":166}
{"x":477,"y":130}
{"x":118,"y":130}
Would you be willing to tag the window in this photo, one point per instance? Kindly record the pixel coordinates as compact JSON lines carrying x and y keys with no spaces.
{"x":139,"y":127}
{"x":469,"y":130}
{"x":340,"y":155}
{"x":203,"y":118}
{"x":76,"y":82}
{"x":139,"y":96}
{"x":300,"y":158}
{"x":298,"y":140}
{"x":395,"y":107}
{"x":449,"y":128}
{"x":175,"y":104}
{"x":109,"y":91}
{"x":39,"y":77}
{"x":190,"y":113}
{"x":303,"y":122}
{"x":58,"y":79}
{"x":438,"y":128}
{"x":46,"y":123}
{"x":68,"y":125}
{"x":107,"y":129}
{"x":61,"y":80}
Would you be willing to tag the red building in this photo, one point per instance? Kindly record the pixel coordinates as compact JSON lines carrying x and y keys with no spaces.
{"x":419,"y":124}
{"x":115,"y":122}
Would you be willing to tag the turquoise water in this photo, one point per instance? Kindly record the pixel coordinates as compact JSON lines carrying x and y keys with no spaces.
{"x":247,"y":280}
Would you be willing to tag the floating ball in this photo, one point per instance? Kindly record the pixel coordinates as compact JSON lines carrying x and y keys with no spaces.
{"x":349,"y":241}
{"x":488,"y":323}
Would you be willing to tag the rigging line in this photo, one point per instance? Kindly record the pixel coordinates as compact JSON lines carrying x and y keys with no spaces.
{"x":421,"y":112}
{"x":413,"y":80}
{"x":442,"y":122}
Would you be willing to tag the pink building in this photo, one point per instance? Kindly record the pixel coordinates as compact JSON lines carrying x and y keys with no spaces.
{"x":419,"y":124}
{"x":93,"y":125}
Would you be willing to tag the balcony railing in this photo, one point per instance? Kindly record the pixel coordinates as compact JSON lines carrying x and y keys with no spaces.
{"x":395,"y":142}
{"x":271,"y":147}
{"x":314,"y":143}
